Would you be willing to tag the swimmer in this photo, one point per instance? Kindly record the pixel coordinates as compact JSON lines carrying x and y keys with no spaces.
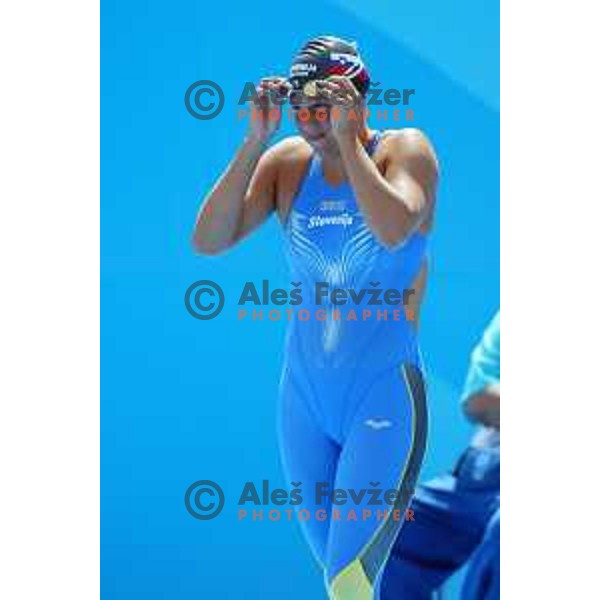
{"x":352,"y":410}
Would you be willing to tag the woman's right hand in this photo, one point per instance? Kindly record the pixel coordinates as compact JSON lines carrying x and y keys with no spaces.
{"x":264,"y":111}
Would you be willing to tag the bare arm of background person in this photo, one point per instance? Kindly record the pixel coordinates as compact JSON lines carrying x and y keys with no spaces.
{"x":244,"y":195}
{"x":484,"y":407}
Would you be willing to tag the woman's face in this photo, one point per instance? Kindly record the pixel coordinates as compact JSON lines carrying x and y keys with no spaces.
{"x":312,"y":120}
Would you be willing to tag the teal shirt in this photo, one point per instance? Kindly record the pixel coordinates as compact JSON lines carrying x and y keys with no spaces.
{"x":484,"y":369}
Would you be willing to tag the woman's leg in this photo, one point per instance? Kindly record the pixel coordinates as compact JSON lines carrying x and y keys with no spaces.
{"x":309,"y":457}
{"x":383,"y":451}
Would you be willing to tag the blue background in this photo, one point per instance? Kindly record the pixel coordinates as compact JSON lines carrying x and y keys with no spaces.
{"x":183,"y":399}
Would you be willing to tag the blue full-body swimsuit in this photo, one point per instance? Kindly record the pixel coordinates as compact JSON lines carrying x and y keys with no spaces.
{"x":352,"y":410}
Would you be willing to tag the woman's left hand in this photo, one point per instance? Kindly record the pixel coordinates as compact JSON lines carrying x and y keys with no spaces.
{"x":346,"y":112}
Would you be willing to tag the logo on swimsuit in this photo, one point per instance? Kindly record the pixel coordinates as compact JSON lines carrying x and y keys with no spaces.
{"x":345,"y":220}
{"x":332,"y":205}
{"x":378,"y":424}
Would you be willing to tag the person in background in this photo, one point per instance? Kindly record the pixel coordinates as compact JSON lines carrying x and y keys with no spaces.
{"x":457,"y":515}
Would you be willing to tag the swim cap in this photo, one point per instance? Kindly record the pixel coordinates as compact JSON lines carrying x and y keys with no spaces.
{"x":322,"y":57}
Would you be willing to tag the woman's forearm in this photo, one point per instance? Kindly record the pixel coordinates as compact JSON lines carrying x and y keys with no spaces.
{"x":222,"y":209}
{"x":387,"y":213}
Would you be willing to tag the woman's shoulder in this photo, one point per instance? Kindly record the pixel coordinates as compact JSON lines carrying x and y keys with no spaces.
{"x":290,"y":155}
{"x":407,"y":137}
{"x":291,"y":148}
{"x":285,"y":156}
{"x":406,"y":143}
